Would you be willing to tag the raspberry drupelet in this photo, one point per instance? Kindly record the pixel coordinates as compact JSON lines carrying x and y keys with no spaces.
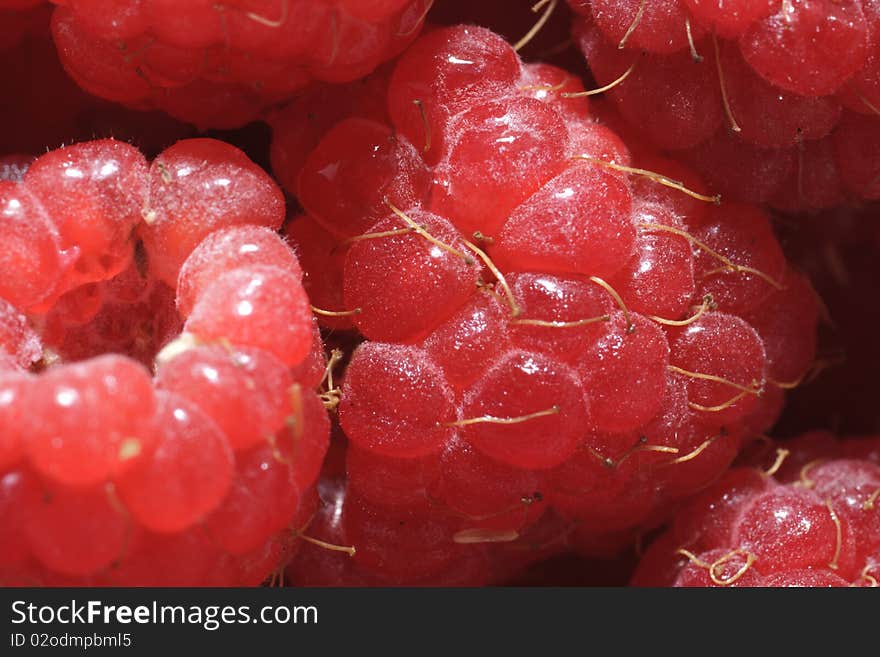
{"x":812,"y":518}
{"x":219,"y":64}
{"x":772,"y":102}
{"x":561,"y":338}
{"x":201,"y":471}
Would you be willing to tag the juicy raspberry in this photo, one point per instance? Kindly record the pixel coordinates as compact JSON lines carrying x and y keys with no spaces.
{"x":196,"y":187}
{"x":776,"y":111}
{"x":105,"y":479}
{"x":555,"y":335}
{"x":219,"y":64}
{"x":227,"y":249}
{"x":87,"y":422}
{"x":816,"y":528}
{"x":258,"y":306}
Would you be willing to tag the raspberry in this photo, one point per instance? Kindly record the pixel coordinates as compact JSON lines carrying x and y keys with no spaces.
{"x":237,"y":390}
{"x":220,"y":64}
{"x":200,"y":471}
{"x":815,"y":527}
{"x":551,"y":336}
{"x":578,"y":223}
{"x":227,"y":249}
{"x":196,"y":187}
{"x":330,"y":167}
{"x":260,"y":306}
{"x":827,"y":42}
{"x":777,"y":110}
{"x":405,"y":394}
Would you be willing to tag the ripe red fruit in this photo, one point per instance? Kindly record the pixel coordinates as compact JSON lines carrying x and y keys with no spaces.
{"x":396,"y":401}
{"x":220,"y":64}
{"x":552,"y":305}
{"x":196,"y":187}
{"x":259,"y":306}
{"x":810,"y":526}
{"x":114,"y":479}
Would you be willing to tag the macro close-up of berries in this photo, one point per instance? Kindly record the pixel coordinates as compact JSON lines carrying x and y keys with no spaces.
{"x":385,"y":293}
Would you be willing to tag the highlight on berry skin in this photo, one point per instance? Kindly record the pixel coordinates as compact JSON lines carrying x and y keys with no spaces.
{"x":457,"y":294}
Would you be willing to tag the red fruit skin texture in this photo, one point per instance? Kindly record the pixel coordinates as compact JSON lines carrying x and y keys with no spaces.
{"x":390,"y":481}
{"x":726,"y":347}
{"x":521,"y":139}
{"x":769,"y":116}
{"x":196,"y":187}
{"x":88,"y":421}
{"x":75,"y":531}
{"x":366,"y":166}
{"x":579,"y":222}
{"x":30,"y":263}
{"x":93,"y":193}
{"x":742,"y":234}
{"x":323,"y":260}
{"x":826,"y":42}
{"x":754,"y":529}
{"x":187,"y":475}
{"x":729,"y":20}
{"x":626,"y":373}
{"x":658,"y":278}
{"x":432,"y":284}
{"x":227,"y":249}
{"x":17,"y":339}
{"x":581,"y":306}
{"x":661,"y":27}
{"x":244,"y":391}
{"x":258,"y":306}
{"x":691,"y":109}
{"x":469,"y":341}
{"x":468,"y":65}
{"x":520,"y":384}
{"x":262,"y":501}
{"x":396,"y":401}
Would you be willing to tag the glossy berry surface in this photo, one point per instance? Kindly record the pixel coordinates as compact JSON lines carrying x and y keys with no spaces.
{"x":159,"y":367}
{"x":812,"y":522}
{"x":550,"y":333}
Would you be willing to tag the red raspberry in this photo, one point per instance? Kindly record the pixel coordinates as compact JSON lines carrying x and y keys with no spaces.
{"x":107,"y":474}
{"x":555,"y":335}
{"x":218,"y":64}
{"x":777,"y":110}
{"x":812,"y":526}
